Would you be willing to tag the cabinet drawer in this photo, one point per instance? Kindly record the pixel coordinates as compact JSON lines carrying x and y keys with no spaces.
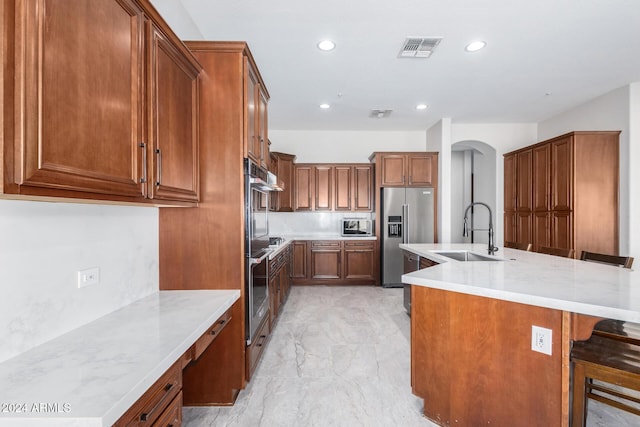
{"x":366,"y":244}
{"x":152,"y":404}
{"x":172,"y":416}
{"x":325,"y":244}
{"x":211,"y":334}
{"x":257,"y":347}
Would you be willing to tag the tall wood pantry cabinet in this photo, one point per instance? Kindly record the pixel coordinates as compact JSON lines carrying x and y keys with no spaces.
{"x":99,"y":101}
{"x":563,"y":193}
{"x":203,"y":248}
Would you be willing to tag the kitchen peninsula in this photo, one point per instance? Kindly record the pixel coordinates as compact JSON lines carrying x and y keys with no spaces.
{"x":471,"y":331}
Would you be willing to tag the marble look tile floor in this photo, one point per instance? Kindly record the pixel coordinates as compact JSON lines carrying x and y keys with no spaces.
{"x":339,"y":356}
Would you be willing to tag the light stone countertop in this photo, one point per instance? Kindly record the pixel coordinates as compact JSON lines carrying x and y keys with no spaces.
{"x":535,"y":279}
{"x":93,"y":374}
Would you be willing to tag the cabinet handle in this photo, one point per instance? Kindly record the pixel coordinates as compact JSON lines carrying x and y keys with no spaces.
{"x":261,"y":343}
{"x":159,"y":155}
{"x":143,"y":178}
{"x":147,"y":415}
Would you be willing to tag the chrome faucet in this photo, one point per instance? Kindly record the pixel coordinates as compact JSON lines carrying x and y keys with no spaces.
{"x":465,"y":229}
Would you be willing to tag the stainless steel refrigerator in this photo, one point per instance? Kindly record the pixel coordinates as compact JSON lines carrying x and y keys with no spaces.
{"x":407,"y":217}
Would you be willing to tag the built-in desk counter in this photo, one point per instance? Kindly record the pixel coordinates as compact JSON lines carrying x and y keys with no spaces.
{"x":93,"y":374}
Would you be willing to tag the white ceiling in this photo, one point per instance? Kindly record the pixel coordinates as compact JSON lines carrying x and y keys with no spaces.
{"x":542,"y":57}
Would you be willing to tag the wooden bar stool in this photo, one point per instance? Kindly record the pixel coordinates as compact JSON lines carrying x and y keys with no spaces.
{"x":521,"y":246}
{"x":611,"y":356}
{"x":567,"y":253}
{"x":620,"y":261}
{"x":611,"y":362}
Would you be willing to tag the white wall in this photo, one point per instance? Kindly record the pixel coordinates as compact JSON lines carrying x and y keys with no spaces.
{"x":616,"y":110}
{"x":439,"y":139}
{"x":503,"y":137}
{"x":43,"y":245}
{"x":343,"y":146}
{"x":178,"y":19}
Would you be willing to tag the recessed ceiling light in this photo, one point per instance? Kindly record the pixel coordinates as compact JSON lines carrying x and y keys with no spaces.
{"x":326,"y":45}
{"x":325,"y":106}
{"x":474,"y":46}
{"x":421,"y":107}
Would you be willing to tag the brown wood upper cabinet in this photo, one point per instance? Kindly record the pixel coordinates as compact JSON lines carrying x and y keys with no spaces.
{"x":333,"y":187}
{"x":353,"y":188}
{"x":282,"y":165}
{"x":407,"y":169}
{"x":570,"y":184}
{"x":257,"y":99}
{"x":106,"y":98}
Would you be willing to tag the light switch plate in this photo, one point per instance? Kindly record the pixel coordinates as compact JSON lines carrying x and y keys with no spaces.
{"x":541,"y":339}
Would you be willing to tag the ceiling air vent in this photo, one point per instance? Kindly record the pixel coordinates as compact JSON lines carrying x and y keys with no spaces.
{"x":379,"y":114}
{"x":419,"y":47}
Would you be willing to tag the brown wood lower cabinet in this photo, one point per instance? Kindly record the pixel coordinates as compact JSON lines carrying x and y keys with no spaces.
{"x":161,"y":401}
{"x":334,"y":262}
{"x":209,"y":374}
{"x":279,"y":283}
{"x":256,"y":348}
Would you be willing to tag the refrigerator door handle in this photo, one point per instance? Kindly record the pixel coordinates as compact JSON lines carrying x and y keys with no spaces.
{"x":405,"y":223}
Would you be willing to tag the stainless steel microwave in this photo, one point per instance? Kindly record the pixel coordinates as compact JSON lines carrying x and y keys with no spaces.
{"x":357,"y":227}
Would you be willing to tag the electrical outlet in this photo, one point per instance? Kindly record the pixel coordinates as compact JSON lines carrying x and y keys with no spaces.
{"x":90,"y":276}
{"x":541,"y":339}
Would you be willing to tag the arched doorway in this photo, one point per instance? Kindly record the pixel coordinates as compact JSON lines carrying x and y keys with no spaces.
{"x":473,"y":179}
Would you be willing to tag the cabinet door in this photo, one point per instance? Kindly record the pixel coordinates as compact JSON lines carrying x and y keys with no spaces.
{"x":393,"y":168}
{"x":174,"y":122}
{"x":524,"y":228}
{"x":343,"y":188}
{"x":79,"y":74}
{"x":325,"y":264}
{"x":359,"y":261}
{"x":562,"y":230}
{"x":510,"y":185}
{"x":262,"y":141}
{"x":323,"y":178}
{"x":562,"y":174}
{"x":541,"y":178}
{"x":286,"y":176}
{"x":510,"y":228}
{"x":252,"y":106}
{"x":420,"y":170}
{"x":299,"y":268}
{"x":524,"y":184}
{"x":304,"y":188}
{"x":363,"y":188}
{"x":326,"y":259}
{"x":541,"y":229}
{"x":274,"y":297}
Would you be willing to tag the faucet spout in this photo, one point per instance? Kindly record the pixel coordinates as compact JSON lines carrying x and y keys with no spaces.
{"x":465,"y":229}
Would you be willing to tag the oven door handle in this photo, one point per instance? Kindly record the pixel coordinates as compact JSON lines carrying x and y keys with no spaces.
{"x":262,"y":258}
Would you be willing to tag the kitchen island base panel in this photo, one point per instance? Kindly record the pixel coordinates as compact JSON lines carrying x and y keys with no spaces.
{"x":472,"y":363}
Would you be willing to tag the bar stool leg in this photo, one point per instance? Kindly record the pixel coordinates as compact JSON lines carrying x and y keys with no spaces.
{"x":579,"y":406}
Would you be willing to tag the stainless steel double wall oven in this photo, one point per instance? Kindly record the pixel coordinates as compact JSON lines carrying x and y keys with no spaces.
{"x":257,"y":250}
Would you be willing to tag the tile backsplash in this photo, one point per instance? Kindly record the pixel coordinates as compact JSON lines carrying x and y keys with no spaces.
{"x":303,"y":223}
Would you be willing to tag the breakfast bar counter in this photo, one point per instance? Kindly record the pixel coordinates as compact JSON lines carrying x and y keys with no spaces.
{"x":477,"y":357}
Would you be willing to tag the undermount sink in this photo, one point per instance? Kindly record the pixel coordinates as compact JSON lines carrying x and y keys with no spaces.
{"x":466,"y":256}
